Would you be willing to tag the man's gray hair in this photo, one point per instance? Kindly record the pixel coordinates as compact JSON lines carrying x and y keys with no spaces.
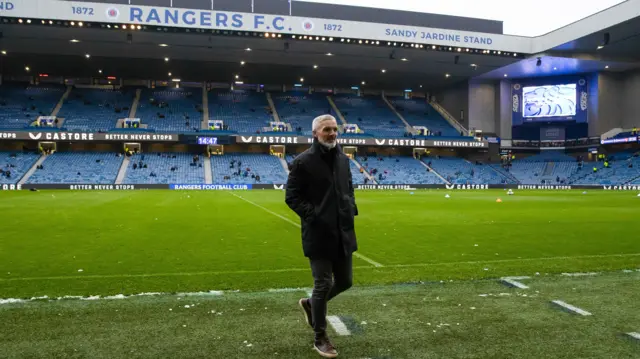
{"x":317,"y":122}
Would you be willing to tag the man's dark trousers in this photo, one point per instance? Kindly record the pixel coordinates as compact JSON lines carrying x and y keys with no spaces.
{"x":330,"y":278}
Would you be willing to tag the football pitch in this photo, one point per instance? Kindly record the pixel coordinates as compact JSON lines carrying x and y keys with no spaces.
{"x":425,"y":278}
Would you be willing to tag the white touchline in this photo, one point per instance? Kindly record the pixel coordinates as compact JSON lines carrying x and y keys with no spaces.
{"x":634,"y":335}
{"x":571,"y":308}
{"x":513,"y":281}
{"x":266,"y":210}
{"x":580,"y":274}
{"x":338,"y":325}
{"x":367,"y":259}
{"x":364,"y":258}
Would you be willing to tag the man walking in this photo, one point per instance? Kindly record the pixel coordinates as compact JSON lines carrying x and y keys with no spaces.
{"x":320,"y":191}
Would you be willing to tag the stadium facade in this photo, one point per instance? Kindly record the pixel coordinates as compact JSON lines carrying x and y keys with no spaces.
{"x":194,"y":88}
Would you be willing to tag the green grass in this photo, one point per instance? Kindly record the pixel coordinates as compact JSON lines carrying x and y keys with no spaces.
{"x":131,"y":242}
{"x":165,"y":241}
{"x":448,"y":320}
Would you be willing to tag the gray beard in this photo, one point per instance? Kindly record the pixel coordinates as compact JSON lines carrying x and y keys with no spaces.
{"x":328,"y":145}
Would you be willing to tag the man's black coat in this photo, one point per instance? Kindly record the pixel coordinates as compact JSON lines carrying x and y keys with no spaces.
{"x":320,"y":191}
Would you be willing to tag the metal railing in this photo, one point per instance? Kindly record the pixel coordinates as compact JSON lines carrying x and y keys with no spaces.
{"x":449,"y":117}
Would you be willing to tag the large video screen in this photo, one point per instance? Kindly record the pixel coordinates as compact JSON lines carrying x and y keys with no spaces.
{"x":549,"y":101}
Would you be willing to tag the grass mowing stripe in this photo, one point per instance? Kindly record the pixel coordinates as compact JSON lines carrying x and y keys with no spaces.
{"x":364,"y":258}
{"x":284,"y":270}
{"x":571,"y":308}
{"x":338,"y":325}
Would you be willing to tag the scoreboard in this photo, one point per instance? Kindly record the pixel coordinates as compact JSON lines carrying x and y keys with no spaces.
{"x":202,"y":140}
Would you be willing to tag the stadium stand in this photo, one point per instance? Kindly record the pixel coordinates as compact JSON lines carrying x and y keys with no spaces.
{"x":460,"y":171}
{"x":371,"y":114}
{"x":170,"y":109}
{"x":164,"y":168}
{"x":242,"y":111}
{"x":93,"y":110}
{"x":356,"y":176}
{"x":79,"y":168}
{"x":548,"y":156}
{"x":21,"y":104}
{"x":549,"y":167}
{"x":398,"y":170}
{"x":417,"y":112}
{"x":267,"y":167}
{"x":625,"y":134}
{"x":623,"y":169}
{"x":299,"y":109}
{"x":14,"y":165}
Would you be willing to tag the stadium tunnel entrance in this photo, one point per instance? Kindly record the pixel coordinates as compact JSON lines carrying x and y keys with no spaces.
{"x":215,"y":150}
{"x":132,"y":147}
{"x":277,"y":150}
{"x":420,"y":152}
{"x":47,"y":147}
{"x":350,"y":151}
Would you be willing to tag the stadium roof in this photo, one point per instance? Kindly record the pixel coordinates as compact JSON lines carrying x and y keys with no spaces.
{"x":612,"y":49}
{"x":217,"y":58}
{"x":196,"y":56}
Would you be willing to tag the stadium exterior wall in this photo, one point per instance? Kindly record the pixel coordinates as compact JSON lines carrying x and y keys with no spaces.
{"x":614,"y":101}
{"x":631,"y":104}
{"x":482,"y":106}
{"x":610,"y":104}
{"x":456,"y":99}
{"x":503,"y":109}
{"x":248,"y":187}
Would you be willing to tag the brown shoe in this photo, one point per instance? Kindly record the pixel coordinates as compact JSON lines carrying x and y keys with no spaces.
{"x":324,"y":347}
{"x":306,"y":308}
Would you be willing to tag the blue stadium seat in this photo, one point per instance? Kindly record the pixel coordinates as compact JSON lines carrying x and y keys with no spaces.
{"x":547,"y":167}
{"x":371,"y":114}
{"x":618,"y":172}
{"x":624,"y":134}
{"x":92,"y":110}
{"x":179,"y":106}
{"x":299,"y":109}
{"x":268,"y":167}
{"x":21,"y":104}
{"x":78,"y":168}
{"x":17,"y":163}
{"x":460,"y":171}
{"x":160,"y":164}
{"x":356,"y":176}
{"x":400,"y":170}
{"x":243,"y":111}
{"x":417,"y":112}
